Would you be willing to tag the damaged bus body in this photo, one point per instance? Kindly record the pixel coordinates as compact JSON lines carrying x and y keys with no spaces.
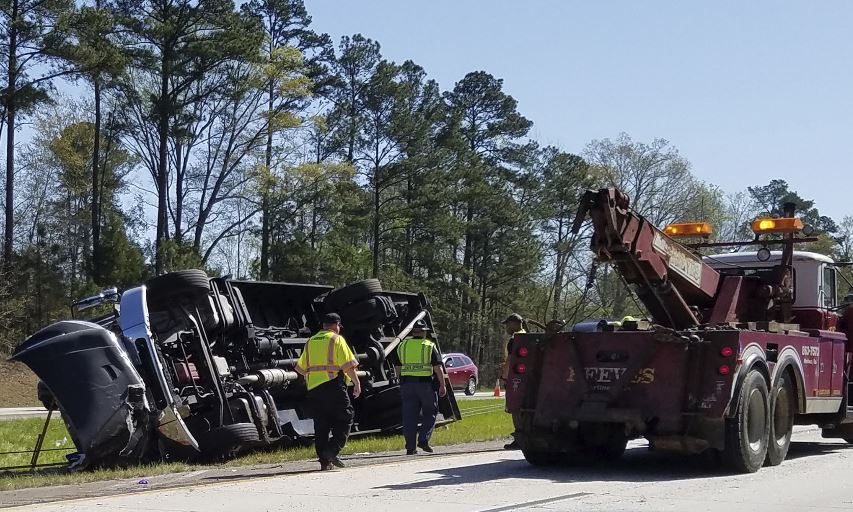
{"x":188,"y":367}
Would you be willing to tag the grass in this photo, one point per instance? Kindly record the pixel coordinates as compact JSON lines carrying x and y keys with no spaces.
{"x":483,"y":420}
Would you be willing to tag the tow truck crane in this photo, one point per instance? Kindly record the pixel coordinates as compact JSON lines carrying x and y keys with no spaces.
{"x":738,"y":349}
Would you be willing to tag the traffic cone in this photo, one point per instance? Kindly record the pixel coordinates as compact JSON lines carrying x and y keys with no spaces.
{"x":497,"y":388}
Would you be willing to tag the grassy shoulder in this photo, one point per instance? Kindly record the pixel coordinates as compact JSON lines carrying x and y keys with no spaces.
{"x":483,"y":420}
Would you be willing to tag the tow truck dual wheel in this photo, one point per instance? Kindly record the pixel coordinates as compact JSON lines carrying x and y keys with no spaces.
{"x":748,"y":432}
{"x":782,"y":420}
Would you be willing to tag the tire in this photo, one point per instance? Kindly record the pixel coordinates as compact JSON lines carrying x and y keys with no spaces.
{"x":782,"y":405}
{"x":539,"y":457}
{"x":613,"y":449}
{"x":471,"y":386}
{"x":228,"y":440}
{"x":748,"y":432}
{"x":192,"y":283}
{"x":354,"y":292}
{"x":361,"y":312}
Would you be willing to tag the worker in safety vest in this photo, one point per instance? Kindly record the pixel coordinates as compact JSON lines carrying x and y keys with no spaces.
{"x":417,"y":362}
{"x":513,"y":324}
{"x":328,"y":365}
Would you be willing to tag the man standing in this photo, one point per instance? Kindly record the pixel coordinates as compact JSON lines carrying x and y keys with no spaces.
{"x":328,"y":365}
{"x":417,"y":360}
{"x":512,"y":325}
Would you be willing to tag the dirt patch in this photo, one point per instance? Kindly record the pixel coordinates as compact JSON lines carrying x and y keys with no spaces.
{"x":17,"y":385}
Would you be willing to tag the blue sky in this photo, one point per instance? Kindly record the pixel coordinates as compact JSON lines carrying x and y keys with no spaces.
{"x":747,"y":91}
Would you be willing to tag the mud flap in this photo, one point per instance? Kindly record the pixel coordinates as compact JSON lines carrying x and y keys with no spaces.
{"x":447,"y":405}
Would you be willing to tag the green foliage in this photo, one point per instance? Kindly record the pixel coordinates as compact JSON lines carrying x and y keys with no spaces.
{"x":770,"y":200}
{"x":265,"y":151}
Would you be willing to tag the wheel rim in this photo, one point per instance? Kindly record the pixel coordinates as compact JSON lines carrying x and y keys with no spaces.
{"x":781,"y":416}
{"x":471,"y":385}
{"x":756,"y":420}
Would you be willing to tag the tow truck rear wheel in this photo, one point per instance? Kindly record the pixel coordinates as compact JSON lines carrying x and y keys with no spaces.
{"x":782,"y":424}
{"x":748,"y":432}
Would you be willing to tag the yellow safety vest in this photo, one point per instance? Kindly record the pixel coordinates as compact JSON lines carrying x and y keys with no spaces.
{"x":324,"y":356}
{"x":416,"y":357}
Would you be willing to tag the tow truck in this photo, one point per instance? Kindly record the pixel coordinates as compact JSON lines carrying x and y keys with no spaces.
{"x":738,"y":348}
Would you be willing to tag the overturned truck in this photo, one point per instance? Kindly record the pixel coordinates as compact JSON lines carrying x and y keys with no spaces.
{"x":188,"y":367}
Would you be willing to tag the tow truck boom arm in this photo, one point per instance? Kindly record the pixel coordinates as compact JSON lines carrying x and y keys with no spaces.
{"x":673,"y":283}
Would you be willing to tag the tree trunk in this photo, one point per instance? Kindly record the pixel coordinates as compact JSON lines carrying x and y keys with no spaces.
{"x":8,"y":237}
{"x":265,"y":198}
{"x":559,"y":270}
{"x":96,"y":185}
{"x":162,"y":166}
{"x":353,"y":131}
{"x":179,"y":190}
{"x":408,"y":257}
{"x":376,"y":222}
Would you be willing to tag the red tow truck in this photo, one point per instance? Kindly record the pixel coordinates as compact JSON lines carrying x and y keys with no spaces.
{"x":739,"y":348}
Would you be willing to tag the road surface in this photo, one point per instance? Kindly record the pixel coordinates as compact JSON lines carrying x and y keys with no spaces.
{"x":41,"y":412}
{"x":816,"y":477}
{"x":479,"y":395}
{"x":9,"y":413}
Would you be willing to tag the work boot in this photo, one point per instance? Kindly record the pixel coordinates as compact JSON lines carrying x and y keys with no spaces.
{"x":411,"y":452}
{"x":425,"y":447}
{"x":325,"y":466}
{"x":512,"y":446}
{"x":337,"y":462}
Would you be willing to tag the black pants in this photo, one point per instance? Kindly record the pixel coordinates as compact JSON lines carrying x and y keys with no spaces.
{"x":420,"y":405}
{"x":333,"y":414}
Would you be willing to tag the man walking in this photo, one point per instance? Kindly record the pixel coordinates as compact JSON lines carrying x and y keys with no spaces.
{"x":513,"y":324}
{"x":328,"y":365}
{"x":417,"y":361}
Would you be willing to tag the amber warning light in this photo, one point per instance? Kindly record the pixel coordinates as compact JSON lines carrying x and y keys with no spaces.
{"x":688,"y":229}
{"x":780,"y":225}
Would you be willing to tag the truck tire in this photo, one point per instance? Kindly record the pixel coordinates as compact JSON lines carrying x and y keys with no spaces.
{"x":227,"y":441}
{"x":782,"y":405}
{"x":360,"y":312}
{"x":613,"y":448}
{"x":192,"y":283}
{"x":748,"y":432}
{"x":352,"y":293}
{"x":539,"y":457}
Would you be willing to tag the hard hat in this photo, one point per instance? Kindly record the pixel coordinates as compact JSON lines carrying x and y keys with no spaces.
{"x":515,"y":317}
{"x":420,"y":325}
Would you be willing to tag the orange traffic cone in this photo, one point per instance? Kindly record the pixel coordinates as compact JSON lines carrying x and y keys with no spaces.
{"x":497,"y":388}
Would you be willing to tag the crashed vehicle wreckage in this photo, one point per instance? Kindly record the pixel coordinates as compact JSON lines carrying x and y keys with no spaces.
{"x":189,"y":367}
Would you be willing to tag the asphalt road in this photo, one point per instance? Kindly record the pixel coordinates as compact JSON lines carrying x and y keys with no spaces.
{"x":816,"y":476}
{"x":22,"y":412}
